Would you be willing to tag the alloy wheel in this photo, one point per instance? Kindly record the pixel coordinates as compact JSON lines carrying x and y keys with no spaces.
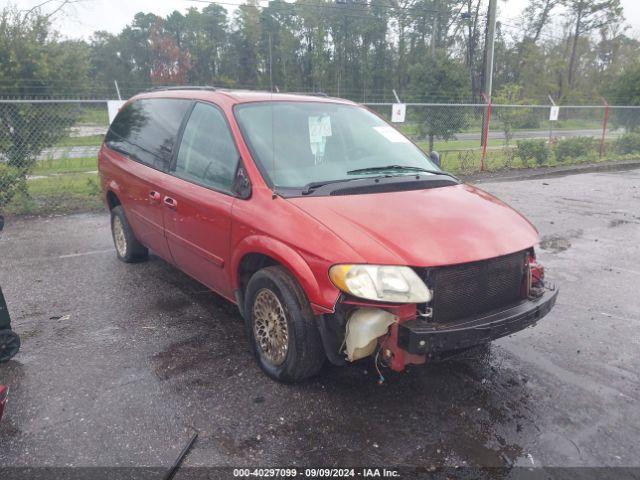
{"x":270,"y":326}
{"x":119,"y":237}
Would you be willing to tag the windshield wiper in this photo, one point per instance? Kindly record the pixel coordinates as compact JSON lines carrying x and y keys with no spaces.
{"x":386,"y":168}
{"x":310,"y":187}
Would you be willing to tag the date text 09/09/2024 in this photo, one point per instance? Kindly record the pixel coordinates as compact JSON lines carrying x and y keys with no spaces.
{"x":316,"y":472}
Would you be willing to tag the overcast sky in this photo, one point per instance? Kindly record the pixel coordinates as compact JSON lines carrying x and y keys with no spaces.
{"x":81,"y":19}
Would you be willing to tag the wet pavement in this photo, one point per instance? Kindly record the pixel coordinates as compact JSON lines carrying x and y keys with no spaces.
{"x":119,"y":363}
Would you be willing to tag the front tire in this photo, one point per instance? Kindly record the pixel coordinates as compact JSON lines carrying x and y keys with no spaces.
{"x":282,"y":329}
{"x":128,"y":248}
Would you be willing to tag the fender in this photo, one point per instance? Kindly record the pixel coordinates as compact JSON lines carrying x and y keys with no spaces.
{"x":111,"y":186}
{"x":321,"y":299}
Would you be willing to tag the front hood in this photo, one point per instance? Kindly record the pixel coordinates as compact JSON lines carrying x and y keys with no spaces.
{"x":438,"y":226}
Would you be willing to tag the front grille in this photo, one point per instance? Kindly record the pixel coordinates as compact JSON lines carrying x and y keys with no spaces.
{"x":474,"y":288}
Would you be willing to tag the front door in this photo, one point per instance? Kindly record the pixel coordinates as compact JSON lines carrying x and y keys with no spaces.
{"x":199,"y":201}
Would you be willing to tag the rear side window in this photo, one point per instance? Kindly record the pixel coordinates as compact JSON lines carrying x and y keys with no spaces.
{"x":146,"y":130}
{"x":207,"y":154}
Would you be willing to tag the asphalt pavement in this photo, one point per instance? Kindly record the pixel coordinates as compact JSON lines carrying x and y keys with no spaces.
{"x":120,"y":363}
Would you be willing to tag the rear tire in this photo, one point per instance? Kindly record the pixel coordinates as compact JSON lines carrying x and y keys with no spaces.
{"x":128,"y":248}
{"x":282,"y":329}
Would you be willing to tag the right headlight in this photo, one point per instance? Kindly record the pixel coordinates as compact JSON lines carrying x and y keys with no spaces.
{"x":383,"y":283}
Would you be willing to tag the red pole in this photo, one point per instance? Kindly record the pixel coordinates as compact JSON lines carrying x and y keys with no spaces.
{"x":485,"y":134}
{"x":604,"y":127}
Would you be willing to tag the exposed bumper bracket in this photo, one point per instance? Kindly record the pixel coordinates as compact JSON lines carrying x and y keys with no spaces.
{"x":424,"y":337}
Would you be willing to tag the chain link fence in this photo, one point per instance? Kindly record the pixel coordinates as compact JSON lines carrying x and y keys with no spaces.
{"x":475,"y":137}
{"x":48,"y":154}
{"x":48,"y":148}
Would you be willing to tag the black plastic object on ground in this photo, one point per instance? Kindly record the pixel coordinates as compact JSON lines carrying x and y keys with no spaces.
{"x":174,"y":468}
{"x":9,"y":340}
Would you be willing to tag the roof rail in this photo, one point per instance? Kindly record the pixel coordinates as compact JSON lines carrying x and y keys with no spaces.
{"x":309,"y":94}
{"x":182,"y":87}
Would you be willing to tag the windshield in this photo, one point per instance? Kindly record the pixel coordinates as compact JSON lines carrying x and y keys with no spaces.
{"x":301,"y":143}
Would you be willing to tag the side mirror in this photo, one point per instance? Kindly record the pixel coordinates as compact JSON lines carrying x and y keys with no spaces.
{"x":435,"y":158}
{"x":242,"y":184}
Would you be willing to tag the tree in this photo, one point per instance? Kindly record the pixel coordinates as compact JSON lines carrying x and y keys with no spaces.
{"x":206,"y":38}
{"x":537,"y":15}
{"x":245,"y":43}
{"x":626,"y":90}
{"x":441,"y":77}
{"x":588,"y":16}
{"x":109,"y":62}
{"x":280,"y":46}
{"x":513,"y":117}
{"x":169,"y":63}
{"x":471,"y":34}
{"x":34,"y":61}
{"x":361,"y":50}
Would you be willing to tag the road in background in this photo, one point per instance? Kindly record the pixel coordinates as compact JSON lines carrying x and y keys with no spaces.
{"x":119,"y":362}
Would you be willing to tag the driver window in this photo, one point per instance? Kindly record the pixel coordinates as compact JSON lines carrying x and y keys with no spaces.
{"x":207,"y":154}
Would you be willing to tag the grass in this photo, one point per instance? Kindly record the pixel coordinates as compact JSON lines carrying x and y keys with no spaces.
{"x":411,"y":128}
{"x":88,"y":141}
{"x":96,"y":115}
{"x":69,"y":193}
{"x":468,"y":161}
{"x":576,"y":124}
{"x":444,"y":146}
{"x":65,"y":165}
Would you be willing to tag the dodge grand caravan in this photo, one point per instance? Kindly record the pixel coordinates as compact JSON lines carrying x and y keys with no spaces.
{"x":335,"y":235}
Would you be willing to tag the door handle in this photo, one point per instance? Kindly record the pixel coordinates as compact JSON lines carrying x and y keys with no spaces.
{"x":154,"y":196}
{"x":170,"y":202}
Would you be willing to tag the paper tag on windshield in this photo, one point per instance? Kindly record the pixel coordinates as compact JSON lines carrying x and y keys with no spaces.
{"x":391,"y":134}
{"x":319,"y":128}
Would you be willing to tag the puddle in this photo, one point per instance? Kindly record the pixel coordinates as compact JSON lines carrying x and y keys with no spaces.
{"x":559,"y":243}
{"x":555,"y":243}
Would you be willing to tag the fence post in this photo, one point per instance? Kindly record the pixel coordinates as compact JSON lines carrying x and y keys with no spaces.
{"x":485,"y":134}
{"x":604,"y":126}
{"x":553,"y":104}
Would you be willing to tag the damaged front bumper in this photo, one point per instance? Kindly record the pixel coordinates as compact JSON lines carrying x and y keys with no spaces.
{"x":421,"y":337}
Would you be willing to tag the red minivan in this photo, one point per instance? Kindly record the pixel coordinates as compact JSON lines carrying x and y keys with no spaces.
{"x":335,"y":235}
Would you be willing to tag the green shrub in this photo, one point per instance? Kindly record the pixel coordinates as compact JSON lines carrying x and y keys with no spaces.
{"x":575,"y":148}
{"x":537,"y":150}
{"x":12,"y":181}
{"x":628,"y":143}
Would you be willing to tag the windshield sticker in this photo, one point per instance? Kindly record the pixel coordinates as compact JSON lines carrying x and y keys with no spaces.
{"x":391,"y":134}
{"x":319,"y":130}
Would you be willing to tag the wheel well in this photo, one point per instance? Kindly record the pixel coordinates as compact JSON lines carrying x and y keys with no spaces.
{"x":250,"y":264}
{"x":112,"y":200}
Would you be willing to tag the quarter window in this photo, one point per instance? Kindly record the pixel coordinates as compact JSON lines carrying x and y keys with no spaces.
{"x":207,"y":154}
{"x":146,"y":130}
